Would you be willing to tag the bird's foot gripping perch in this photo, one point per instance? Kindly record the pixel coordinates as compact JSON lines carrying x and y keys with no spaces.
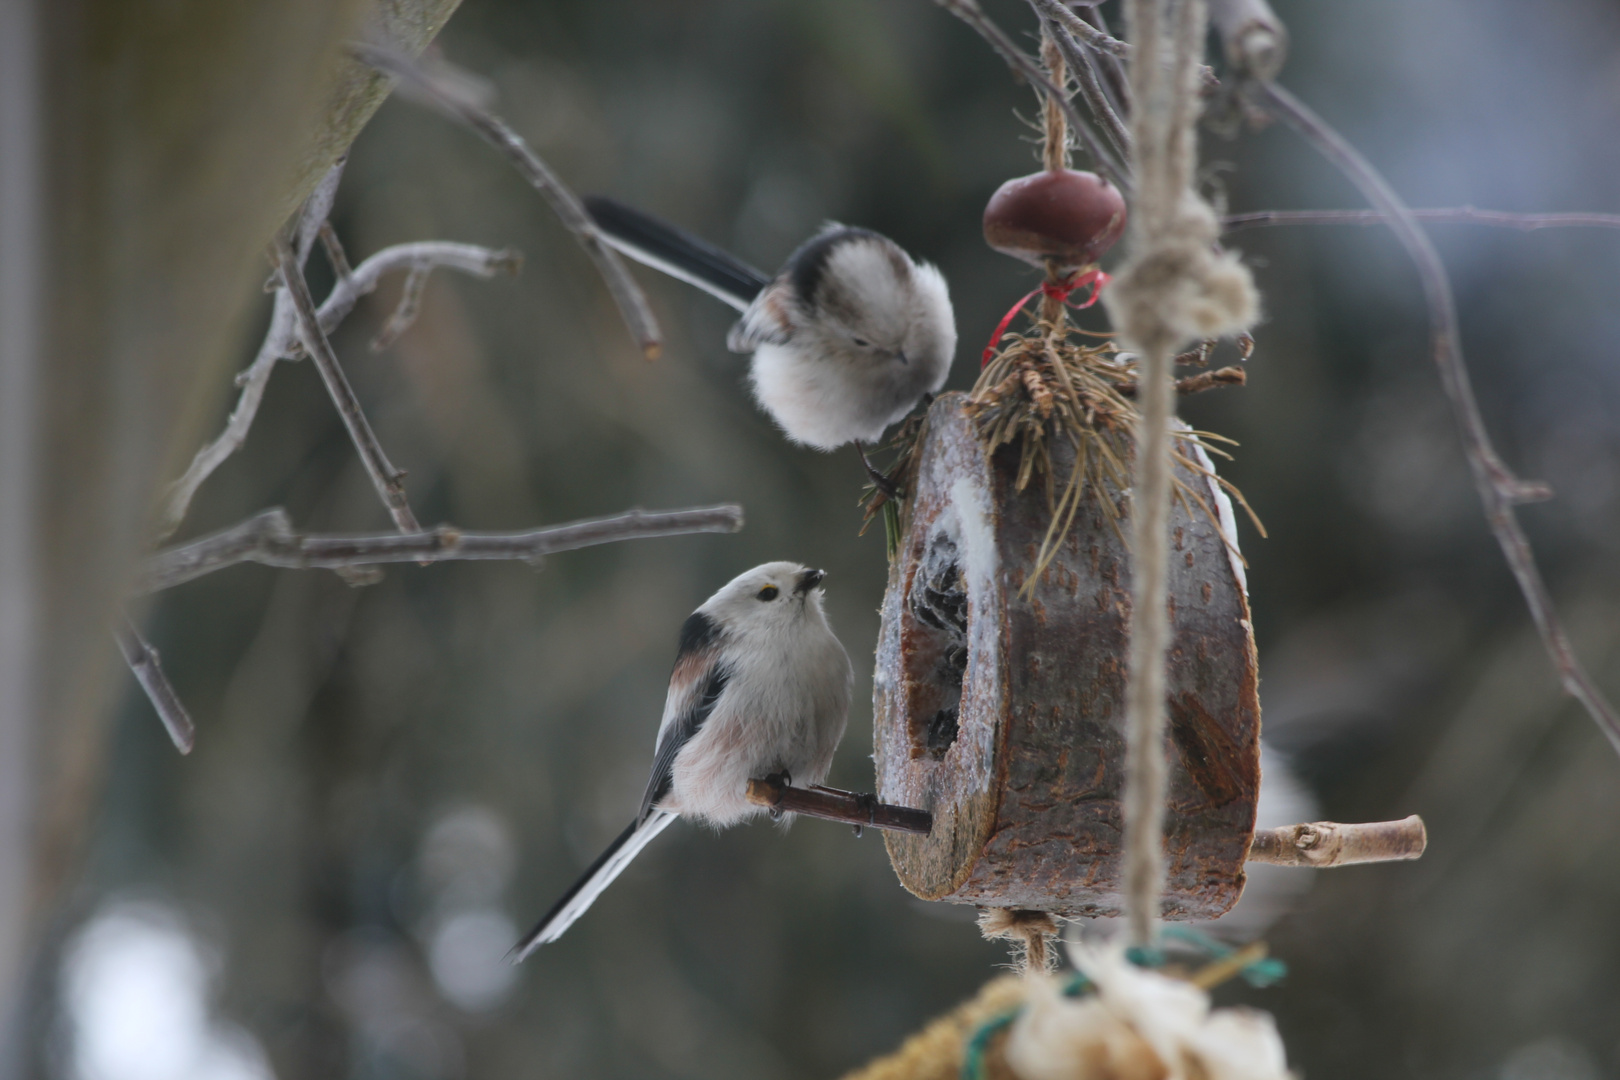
{"x":831,"y":804}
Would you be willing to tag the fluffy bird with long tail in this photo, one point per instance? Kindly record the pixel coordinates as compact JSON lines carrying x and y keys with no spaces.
{"x":761,"y":687}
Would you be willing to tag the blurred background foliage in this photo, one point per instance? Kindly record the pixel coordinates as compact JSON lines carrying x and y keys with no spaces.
{"x":391,"y":782}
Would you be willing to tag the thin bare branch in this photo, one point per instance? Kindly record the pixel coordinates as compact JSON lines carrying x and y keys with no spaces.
{"x":1028,"y":68}
{"x":1197,"y":384}
{"x":1093,"y":36}
{"x":1112,"y":64}
{"x":1454,"y":215}
{"x":389,"y":481}
{"x":281,"y":342}
{"x":1328,"y":843}
{"x":334,"y":251}
{"x":405,"y":312}
{"x":1058,"y":22}
{"x":317,"y":208}
{"x":1499,"y":490}
{"x":268,"y":538}
{"x":831,"y":804}
{"x":450,"y":98}
{"x":148,"y":671}
{"x":423,"y":255}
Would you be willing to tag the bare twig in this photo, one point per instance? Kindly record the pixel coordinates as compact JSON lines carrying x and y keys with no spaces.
{"x":281,"y":341}
{"x":334,"y":251}
{"x":1026,"y":66}
{"x":1096,"y":38}
{"x":317,"y":208}
{"x":1197,"y":384}
{"x":1058,"y":22}
{"x":389,"y":481}
{"x":1456,"y":215}
{"x":423,"y":255}
{"x":1499,"y":490}
{"x":460,"y":106}
{"x":1113,"y":67}
{"x":148,"y":671}
{"x":1328,"y":843}
{"x":410,"y":303}
{"x":268,"y":538}
{"x":831,"y":804}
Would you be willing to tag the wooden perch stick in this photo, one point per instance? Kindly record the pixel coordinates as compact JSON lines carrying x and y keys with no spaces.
{"x":1328,"y":843}
{"x":831,"y":804}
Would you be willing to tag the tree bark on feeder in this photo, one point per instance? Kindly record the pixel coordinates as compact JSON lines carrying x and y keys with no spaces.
{"x":1001,"y":711}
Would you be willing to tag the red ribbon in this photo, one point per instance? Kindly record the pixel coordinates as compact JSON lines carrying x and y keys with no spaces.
{"x":1057,"y":290}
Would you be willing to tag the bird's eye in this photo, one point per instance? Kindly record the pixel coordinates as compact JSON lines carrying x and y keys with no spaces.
{"x":862,"y":343}
{"x":767,"y":593}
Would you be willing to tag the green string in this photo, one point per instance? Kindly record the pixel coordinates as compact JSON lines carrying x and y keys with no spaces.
{"x":1267,"y":971}
{"x":973,"y":1053}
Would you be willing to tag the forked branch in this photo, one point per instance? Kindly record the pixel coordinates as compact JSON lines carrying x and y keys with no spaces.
{"x":1028,"y":68}
{"x":389,"y":481}
{"x":455,"y":102}
{"x":268,"y":538}
{"x":1499,"y":490}
{"x":281,"y":341}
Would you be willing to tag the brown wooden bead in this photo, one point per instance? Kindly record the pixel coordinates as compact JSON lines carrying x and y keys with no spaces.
{"x":1003,"y":715}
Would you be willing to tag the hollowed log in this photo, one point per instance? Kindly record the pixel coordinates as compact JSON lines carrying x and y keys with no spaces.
{"x":1003,"y":714}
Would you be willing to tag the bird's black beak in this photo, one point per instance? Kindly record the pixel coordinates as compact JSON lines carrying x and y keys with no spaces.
{"x":808,"y":580}
{"x":900,"y":355}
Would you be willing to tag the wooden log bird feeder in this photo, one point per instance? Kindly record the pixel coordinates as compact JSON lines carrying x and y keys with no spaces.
{"x":999,"y":691}
{"x":1000,"y":709}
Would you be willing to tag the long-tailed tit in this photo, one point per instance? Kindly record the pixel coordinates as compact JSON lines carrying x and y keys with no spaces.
{"x":846,"y":339}
{"x":760,"y":687}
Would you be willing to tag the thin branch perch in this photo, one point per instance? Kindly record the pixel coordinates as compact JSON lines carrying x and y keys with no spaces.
{"x":831,"y":804}
{"x":1456,"y":215}
{"x":1499,"y":490}
{"x":148,"y":671}
{"x":1328,"y":843}
{"x":389,"y":481}
{"x":268,"y":538}
{"x":455,"y":103}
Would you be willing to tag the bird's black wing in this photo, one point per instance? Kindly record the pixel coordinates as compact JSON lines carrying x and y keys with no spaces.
{"x":676,"y":252}
{"x":680,"y":732}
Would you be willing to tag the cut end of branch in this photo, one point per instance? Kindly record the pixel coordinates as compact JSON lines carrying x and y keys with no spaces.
{"x":1329,"y":843}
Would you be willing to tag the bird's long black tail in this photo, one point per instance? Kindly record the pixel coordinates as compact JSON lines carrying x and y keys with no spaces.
{"x":609,"y":865}
{"x":676,"y":252}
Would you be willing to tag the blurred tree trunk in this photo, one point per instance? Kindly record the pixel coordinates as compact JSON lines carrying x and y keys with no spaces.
{"x":147,"y":153}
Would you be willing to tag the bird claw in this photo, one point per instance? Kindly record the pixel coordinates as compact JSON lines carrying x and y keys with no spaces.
{"x":867,"y":803}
